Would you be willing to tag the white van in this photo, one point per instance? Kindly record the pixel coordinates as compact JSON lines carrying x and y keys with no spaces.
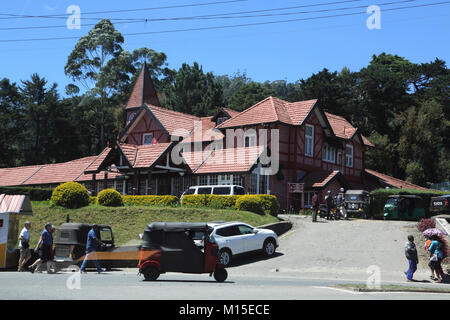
{"x":221,"y":190}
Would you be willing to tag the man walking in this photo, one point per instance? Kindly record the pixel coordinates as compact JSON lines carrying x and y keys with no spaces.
{"x":91,"y":249}
{"x":44,"y":247}
{"x":24,"y":245}
{"x":411,"y":255}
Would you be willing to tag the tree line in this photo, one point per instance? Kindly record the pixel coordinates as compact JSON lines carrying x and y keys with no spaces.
{"x":402,"y":107}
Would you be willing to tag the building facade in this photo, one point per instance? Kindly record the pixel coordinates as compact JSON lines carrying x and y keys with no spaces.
{"x":262,"y":148}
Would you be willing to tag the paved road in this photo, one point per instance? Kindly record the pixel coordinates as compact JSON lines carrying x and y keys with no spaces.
{"x":311,"y":258}
{"x":125,"y":285}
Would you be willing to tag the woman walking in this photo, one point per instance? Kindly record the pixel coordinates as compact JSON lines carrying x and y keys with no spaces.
{"x":437,"y":254}
{"x":45,"y":247}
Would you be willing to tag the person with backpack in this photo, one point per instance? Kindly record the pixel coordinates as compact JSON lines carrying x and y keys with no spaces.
{"x":437,"y":254}
{"x":411,"y":255}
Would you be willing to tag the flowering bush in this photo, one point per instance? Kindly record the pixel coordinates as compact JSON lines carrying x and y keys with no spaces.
{"x":425,"y":224}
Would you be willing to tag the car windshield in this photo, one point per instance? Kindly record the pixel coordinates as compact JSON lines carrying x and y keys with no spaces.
{"x":393,"y":201}
{"x":189,"y":191}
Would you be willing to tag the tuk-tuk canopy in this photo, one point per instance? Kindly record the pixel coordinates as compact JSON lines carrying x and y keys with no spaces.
{"x":74,"y":233}
{"x":176,"y":226}
{"x":361,"y":192}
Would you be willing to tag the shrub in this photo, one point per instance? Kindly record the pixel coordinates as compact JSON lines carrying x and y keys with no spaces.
{"x":70,"y":195}
{"x":250,"y":203}
{"x":110,"y":198}
{"x":270,"y":203}
{"x":150,"y":200}
{"x":425,"y":224}
{"x":36,"y":194}
{"x":196,"y":200}
{"x":92,"y":200}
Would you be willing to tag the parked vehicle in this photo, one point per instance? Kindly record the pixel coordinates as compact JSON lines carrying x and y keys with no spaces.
{"x":221,"y":190}
{"x":358,"y":202}
{"x":404,"y":207}
{"x":171,"y":247}
{"x":70,"y":247}
{"x":440,"y":205}
{"x":236,"y":238}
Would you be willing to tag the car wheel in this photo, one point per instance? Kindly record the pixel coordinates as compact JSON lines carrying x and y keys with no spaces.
{"x":269,"y":247}
{"x":225,"y":257}
{"x":151,"y":273}
{"x":220,"y":275}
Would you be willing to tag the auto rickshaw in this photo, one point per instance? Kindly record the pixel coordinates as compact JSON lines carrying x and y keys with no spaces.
{"x":70,"y":247}
{"x":171,"y":247}
{"x":357,"y":201}
{"x":404,"y":207}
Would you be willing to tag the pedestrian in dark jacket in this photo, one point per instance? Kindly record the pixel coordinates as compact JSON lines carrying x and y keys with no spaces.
{"x":411,"y":255}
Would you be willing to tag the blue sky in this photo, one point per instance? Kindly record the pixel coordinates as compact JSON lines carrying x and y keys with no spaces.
{"x":279,"y":51}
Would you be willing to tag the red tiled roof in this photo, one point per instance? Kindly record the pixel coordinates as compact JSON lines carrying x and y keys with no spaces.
{"x":143,"y":156}
{"x":394,"y":182}
{"x":266,"y":111}
{"x":329,"y":178}
{"x":60,"y":172}
{"x":223,"y":160}
{"x":143,"y":91}
{"x":173,"y":120}
{"x":231,"y":112}
{"x":343,"y":129}
{"x":94,"y":166}
{"x":50,"y":173}
{"x":299,"y":110}
{"x":16,"y":176}
{"x":204,"y":131}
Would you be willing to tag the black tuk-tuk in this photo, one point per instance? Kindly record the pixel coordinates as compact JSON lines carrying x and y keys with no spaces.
{"x":357,"y":201}
{"x":171,"y":247}
{"x":70,"y":247}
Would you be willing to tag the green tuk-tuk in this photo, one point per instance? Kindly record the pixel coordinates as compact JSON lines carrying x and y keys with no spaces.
{"x":404,"y":207}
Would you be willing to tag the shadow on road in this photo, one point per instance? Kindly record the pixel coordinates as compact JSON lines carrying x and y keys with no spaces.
{"x":186,"y":281}
{"x":252,"y":258}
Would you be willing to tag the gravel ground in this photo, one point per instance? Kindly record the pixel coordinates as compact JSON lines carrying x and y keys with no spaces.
{"x":352,"y":250}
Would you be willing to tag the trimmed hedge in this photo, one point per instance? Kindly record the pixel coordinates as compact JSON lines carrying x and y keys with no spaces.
{"x":110,"y":198}
{"x":150,"y":200}
{"x":36,"y":194}
{"x":209,"y":200}
{"x":71,"y":195}
{"x":380,"y":196}
{"x":267,"y":202}
{"x":250,"y":203}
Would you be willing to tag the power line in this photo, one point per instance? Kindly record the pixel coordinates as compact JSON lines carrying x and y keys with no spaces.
{"x":225,"y":15}
{"x":235,"y":25}
{"x":65,"y":15}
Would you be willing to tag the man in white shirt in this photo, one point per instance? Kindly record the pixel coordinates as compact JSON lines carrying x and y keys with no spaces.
{"x":24,"y":245}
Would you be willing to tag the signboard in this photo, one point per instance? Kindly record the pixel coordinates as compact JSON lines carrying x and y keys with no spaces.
{"x":296,"y":187}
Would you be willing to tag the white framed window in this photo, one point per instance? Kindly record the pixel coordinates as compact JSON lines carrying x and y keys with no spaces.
{"x":203,"y":180}
{"x":147,"y":138}
{"x":349,"y":155}
{"x":309,"y":140}
{"x":328,"y":153}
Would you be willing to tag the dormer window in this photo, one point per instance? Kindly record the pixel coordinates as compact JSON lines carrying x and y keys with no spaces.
{"x":349,"y":155}
{"x":220,"y":120}
{"x":147,"y":138}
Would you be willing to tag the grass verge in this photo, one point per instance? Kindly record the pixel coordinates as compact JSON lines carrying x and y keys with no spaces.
{"x":128,"y":222}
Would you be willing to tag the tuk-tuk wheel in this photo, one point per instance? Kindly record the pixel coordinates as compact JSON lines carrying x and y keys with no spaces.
{"x":220,"y":275}
{"x":150,"y":273}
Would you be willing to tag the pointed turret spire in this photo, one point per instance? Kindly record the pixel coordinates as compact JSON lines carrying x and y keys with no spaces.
{"x":143,"y":91}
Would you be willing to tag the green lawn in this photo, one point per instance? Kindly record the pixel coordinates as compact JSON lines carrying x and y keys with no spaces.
{"x":128,"y":222}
